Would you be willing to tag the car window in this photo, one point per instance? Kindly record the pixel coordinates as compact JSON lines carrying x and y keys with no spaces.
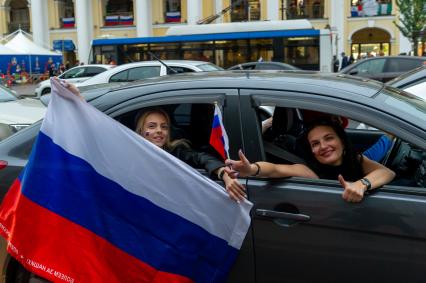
{"x":179,"y":70}
{"x":191,"y":122}
{"x":402,"y":64}
{"x":371,"y":66}
{"x":267,"y":66}
{"x":120,"y":77}
{"x":143,"y":73}
{"x":73,"y":73}
{"x":248,"y":67}
{"x":209,"y":67}
{"x":6,"y":95}
{"x":283,"y":143}
{"x":418,"y":90}
{"x":92,"y":71}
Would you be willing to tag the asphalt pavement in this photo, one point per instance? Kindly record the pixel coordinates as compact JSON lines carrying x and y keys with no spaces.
{"x":25,"y":89}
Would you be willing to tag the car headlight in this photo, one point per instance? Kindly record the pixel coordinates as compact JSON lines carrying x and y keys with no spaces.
{"x":17,"y":127}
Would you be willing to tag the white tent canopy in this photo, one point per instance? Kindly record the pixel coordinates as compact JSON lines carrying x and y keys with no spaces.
{"x":23,"y":45}
{"x":6,"y":51}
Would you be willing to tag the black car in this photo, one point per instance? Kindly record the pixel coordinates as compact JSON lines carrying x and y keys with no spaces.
{"x":302,"y":230}
{"x":264,"y":65}
{"x":383,"y":68}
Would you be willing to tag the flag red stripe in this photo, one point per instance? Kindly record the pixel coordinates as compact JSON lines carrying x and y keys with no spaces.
{"x":59,"y":250}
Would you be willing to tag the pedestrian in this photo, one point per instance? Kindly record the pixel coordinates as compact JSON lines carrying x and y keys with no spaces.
{"x":52,"y":70}
{"x":344,"y":61}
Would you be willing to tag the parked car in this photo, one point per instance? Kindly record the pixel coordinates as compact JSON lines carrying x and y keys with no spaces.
{"x":413,"y":82}
{"x":7,"y":94}
{"x":74,"y":75}
{"x":302,"y":230}
{"x":264,"y":65}
{"x":149,"y":69}
{"x":383,"y":68}
{"x":18,"y":114}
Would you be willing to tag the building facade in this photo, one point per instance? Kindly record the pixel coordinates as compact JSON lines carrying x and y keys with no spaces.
{"x":359,"y":28}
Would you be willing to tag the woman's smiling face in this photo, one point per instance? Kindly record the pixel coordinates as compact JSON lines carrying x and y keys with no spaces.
{"x":326,"y":145}
{"x":156,"y":129}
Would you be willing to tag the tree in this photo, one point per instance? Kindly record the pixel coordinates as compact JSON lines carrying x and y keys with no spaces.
{"x":412,"y":20}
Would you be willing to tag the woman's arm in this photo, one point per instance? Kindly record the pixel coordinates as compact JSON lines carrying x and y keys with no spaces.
{"x":267,"y":169}
{"x":375,"y":174}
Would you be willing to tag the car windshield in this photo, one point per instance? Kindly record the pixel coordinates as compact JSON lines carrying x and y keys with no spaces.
{"x":208,"y":67}
{"x":408,"y":105}
{"x":6,"y":95}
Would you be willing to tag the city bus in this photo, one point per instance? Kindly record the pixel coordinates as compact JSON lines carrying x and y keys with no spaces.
{"x":293,"y":42}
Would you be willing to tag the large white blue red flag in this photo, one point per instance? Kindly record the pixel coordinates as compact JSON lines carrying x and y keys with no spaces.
{"x":218,"y":137}
{"x":97,"y":203}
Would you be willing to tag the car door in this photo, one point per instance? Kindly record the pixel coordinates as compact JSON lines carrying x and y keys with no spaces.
{"x":304,"y":232}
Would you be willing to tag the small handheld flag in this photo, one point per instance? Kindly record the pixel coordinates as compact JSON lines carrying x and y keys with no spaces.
{"x":218,"y":137}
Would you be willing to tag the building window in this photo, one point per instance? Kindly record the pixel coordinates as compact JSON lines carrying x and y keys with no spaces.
{"x":245,"y":10}
{"x":19,"y":16}
{"x":370,"y":8}
{"x":305,"y":9}
{"x":172,"y":10}
{"x":68,"y":19}
{"x":119,"y":13}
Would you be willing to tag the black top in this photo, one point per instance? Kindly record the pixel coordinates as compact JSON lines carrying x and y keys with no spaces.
{"x":351,"y":172}
{"x":201,"y":160}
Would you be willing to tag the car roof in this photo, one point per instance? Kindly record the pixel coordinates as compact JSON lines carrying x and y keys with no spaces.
{"x":416,"y":58}
{"x":264,"y":63}
{"x":304,"y":81}
{"x":108,"y":66}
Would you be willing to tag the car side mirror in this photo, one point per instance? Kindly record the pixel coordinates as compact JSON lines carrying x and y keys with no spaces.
{"x":353,"y":72}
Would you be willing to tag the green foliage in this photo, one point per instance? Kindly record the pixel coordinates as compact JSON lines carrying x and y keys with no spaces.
{"x":413,"y":19}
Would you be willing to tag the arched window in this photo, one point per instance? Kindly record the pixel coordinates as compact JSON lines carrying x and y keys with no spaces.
{"x":370,"y":42}
{"x":19,"y":15}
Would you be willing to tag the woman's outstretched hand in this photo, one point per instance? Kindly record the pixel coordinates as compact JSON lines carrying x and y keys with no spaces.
{"x":240,"y":167}
{"x":235,"y":190}
{"x":352,"y":192}
{"x":70,"y":87}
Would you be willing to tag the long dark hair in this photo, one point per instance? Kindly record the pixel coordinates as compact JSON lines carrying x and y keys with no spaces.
{"x":352,"y":160}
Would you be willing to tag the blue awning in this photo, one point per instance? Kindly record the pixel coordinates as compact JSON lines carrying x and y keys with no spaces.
{"x":63,"y":45}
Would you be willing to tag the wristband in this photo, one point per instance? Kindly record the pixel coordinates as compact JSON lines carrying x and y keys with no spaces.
{"x":367,"y":183}
{"x":257,"y":171}
{"x":220,"y":174}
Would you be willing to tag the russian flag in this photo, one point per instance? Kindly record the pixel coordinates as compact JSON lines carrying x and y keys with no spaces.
{"x":218,"y":137}
{"x":126,"y":20}
{"x":97,"y":203}
{"x":172,"y":17}
{"x":68,"y":22}
{"x":111,"y":20}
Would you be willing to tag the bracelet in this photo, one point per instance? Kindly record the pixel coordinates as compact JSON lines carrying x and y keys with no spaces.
{"x":366,"y":183}
{"x":221,"y":173}
{"x":258,"y":170}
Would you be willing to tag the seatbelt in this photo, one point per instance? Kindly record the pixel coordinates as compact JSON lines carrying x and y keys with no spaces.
{"x":282,"y":153}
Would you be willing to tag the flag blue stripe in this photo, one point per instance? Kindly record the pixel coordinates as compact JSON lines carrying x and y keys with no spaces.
{"x":69,"y":186}
{"x":216,"y":122}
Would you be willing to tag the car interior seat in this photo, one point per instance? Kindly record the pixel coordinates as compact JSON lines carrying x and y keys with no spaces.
{"x":286,"y":130}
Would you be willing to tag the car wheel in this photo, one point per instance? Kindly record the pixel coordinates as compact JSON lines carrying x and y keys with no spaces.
{"x":45,"y":91}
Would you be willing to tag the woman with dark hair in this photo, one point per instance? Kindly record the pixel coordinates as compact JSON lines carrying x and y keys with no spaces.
{"x":331,"y":156}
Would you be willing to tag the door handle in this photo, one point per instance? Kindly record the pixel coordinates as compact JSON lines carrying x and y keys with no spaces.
{"x":282,"y":215}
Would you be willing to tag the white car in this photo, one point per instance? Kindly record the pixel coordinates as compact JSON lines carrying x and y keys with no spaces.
{"x":148,"y":69}
{"x":74,"y":75}
{"x":18,"y":114}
